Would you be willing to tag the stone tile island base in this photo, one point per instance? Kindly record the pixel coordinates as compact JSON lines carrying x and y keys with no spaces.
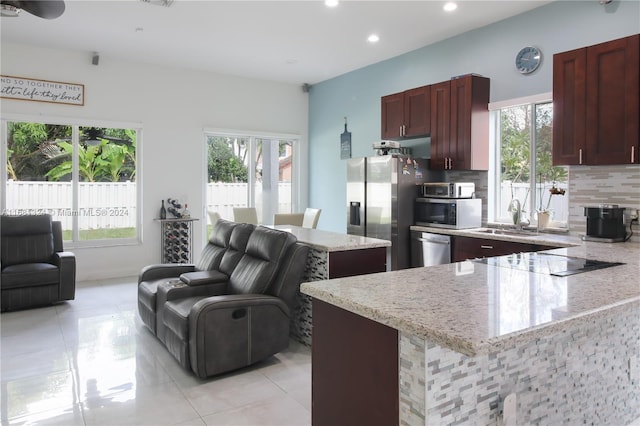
{"x":579,"y":376}
{"x":323,"y":265}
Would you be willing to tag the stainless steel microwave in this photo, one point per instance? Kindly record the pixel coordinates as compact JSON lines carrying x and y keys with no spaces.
{"x":458,"y":213}
{"x":448,"y":189}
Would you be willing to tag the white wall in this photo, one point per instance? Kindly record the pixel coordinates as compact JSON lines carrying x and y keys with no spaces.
{"x":173,"y":106}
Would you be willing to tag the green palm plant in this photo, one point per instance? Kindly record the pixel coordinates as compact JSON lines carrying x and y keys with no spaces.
{"x":90,"y":163}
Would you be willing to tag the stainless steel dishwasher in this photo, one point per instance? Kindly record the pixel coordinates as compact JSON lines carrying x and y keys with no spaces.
{"x":429,"y":249}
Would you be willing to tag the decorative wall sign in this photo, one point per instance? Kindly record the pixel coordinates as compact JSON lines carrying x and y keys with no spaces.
{"x":345,"y":142}
{"x":29,"y":89}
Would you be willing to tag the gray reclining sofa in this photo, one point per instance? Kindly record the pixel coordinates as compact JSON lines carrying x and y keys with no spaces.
{"x":233,"y":307}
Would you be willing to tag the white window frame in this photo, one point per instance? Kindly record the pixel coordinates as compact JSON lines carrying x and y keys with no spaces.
{"x":66,"y":121}
{"x":494,"y":175}
{"x":252,"y":136}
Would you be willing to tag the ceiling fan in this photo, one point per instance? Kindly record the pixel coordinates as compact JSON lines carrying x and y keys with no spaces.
{"x":93,"y":136}
{"x":47,"y":9}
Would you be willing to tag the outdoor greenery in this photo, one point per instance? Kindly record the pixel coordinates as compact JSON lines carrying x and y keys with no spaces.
{"x":516,"y":145}
{"x":41,"y":152}
{"x":100,"y":234}
{"x":224,"y":165}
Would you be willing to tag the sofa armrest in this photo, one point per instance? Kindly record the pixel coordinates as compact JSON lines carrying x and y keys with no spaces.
{"x":199,"y":278}
{"x":66,"y":263}
{"x":236,"y":301}
{"x":176,"y":289}
{"x":165,"y":270}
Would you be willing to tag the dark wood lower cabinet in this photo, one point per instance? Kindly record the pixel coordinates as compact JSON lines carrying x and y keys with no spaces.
{"x":357,"y":262}
{"x":354,"y":369}
{"x":471,"y":248}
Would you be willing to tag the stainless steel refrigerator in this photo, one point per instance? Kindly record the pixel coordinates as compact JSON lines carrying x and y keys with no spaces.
{"x":380,"y":196}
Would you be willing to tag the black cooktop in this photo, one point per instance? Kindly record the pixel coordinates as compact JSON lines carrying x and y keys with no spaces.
{"x":549,"y":264}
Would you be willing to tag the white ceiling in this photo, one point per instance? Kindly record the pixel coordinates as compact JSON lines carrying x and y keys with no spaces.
{"x":289,"y":41}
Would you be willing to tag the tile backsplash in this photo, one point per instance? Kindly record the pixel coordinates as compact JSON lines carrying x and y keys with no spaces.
{"x":588,"y":186}
{"x":593,"y":185}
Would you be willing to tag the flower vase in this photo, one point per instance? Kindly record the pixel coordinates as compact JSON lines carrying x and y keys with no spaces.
{"x":543,"y":219}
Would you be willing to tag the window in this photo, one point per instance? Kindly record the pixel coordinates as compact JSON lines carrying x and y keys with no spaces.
{"x":84,"y":176}
{"x":251,"y":171}
{"x":524,"y":170}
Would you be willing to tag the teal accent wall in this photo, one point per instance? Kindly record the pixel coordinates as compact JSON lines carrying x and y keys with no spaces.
{"x":489,"y":51}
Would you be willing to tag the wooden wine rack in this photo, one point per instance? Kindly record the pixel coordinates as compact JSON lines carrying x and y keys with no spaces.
{"x":177,"y":240}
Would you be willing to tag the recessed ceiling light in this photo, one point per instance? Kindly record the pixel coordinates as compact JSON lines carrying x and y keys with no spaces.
{"x":331,"y":3}
{"x":450,"y":6}
{"x":373,"y":38}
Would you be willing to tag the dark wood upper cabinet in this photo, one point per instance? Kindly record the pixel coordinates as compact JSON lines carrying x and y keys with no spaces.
{"x":440,"y":124}
{"x":406,"y":114}
{"x":596,"y":104}
{"x":392,"y":116}
{"x":460,"y":124}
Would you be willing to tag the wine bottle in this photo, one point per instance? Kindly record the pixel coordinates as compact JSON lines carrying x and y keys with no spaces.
{"x":163,"y":211}
{"x":185,"y":212}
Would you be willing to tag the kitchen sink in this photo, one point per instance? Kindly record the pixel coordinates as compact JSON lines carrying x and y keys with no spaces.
{"x":514,"y":232}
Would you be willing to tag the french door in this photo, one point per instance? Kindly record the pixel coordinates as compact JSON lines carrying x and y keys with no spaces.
{"x":251,"y":170}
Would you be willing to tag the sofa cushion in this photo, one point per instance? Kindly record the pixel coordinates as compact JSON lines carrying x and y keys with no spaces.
{"x":29,"y":275}
{"x":176,"y":315}
{"x":257,"y":268}
{"x":217,"y":246}
{"x":26,"y":239}
{"x":237,"y":246}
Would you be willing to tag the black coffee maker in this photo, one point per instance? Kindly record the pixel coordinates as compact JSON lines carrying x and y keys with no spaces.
{"x":605,"y":223}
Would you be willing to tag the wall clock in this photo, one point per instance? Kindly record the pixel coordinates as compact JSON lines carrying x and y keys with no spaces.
{"x":528,"y":59}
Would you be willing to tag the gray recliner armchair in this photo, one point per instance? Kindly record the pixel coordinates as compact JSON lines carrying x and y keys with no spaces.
{"x":36,"y":271}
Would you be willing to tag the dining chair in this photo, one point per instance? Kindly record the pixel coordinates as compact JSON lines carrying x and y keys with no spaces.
{"x":295,"y":219}
{"x":245,"y":215}
{"x":311,"y":217}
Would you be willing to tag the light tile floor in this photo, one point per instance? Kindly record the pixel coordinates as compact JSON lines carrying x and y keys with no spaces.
{"x":91,"y":361}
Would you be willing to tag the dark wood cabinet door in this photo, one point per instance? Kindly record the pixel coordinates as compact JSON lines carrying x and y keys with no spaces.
{"x":417,"y":112}
{"x":440,"y":124}
{"x":471,"y":248}
{"x":569,"y":103}
{"x":596,"y":104}
{"x":392,"y":116}
{"x":354,"y":373}
{"x":469,"y":126}
{"x":613,"y":95}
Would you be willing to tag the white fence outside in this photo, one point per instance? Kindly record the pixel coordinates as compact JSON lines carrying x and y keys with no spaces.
{"x":100,"y":204}
{"x":113,"y":204}
{"x":559,"y":205}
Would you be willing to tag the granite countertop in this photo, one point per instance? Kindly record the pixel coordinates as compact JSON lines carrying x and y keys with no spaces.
{"x":332,"y":241}
{"x":475,"y":308}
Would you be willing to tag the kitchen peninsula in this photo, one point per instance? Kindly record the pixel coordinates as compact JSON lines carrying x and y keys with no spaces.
{"x":446,"y":344}
{"x":332,"y":255}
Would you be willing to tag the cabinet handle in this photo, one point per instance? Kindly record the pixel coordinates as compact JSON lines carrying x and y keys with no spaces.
{"x":487,"y":247}
{"x":450,"y":163}
{"x":633,"y":154}
{"x":404,"y":130}
{"x":580,"y":153}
